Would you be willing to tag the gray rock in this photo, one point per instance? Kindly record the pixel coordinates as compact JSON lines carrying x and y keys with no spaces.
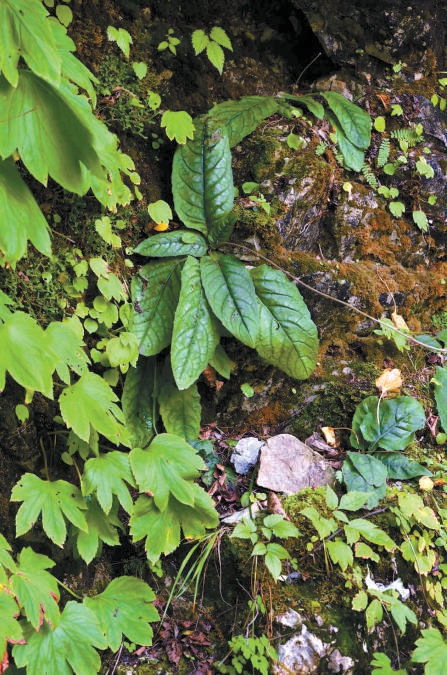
{"x":301,"y":654}
{"x":246,"y":454}
{"x":288,"y":465}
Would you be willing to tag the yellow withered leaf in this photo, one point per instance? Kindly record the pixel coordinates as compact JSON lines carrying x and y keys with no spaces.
{"x":399,"y":321}
{"x":389,"y":380}
{"x":329,"y":436}
{"x":161,"y":227}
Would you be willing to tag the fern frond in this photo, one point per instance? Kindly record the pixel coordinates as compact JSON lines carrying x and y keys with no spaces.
{"x":369,"y":176}
{"x":384,"y":153}
{"x":321,"y":147}
{"x":407,"y":138}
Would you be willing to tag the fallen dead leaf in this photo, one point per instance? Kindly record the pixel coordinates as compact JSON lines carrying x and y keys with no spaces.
{"x":389,"y":380}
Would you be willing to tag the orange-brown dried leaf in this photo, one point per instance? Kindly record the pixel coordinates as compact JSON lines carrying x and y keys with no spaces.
{"x":389,"y":380}
{"x":329,"y":435}
{"x":399,"y":321}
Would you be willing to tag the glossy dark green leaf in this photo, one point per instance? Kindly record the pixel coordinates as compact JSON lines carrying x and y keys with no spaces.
{"x":390,"y":424}
{"x":171,"y":244}
{"x":440,"y":389}
{"x":287,"y":336}
{"x":138,"y":403}
{"x":365,"y":473}
{"x":353,"y":157}
{"x":231,"y":294}
{"x":243,"y":116}
{"x":155,"y":294}
{"x":311,"y":104}
{"x":355,"y":122}
{"x":195,"y":335}
{"x":202,"y":178}
{"x":221,"y":362}
{"x":400,"y":467}
{"x":222,"y":230}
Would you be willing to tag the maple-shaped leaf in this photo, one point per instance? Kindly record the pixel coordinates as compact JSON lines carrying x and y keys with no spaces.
{"x":105,"y":475}
{"x":5,"y":557}
{"x":179,"y":125}
{"x":63,"y":341}
{"x":162,"y":528}
{"x":125,"y":608}
{"x":10,"y":629}
{"x":101,"y":528}
{"x":92,"y":402}
{"x":54,"y":499}
{"x":168,"y":466}
{"x":35,"y":588}
{"x":431,"y":649}
{"x":68,"y":649}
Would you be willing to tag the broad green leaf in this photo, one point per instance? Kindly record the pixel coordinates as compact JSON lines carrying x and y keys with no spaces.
{"x":402,"y":614}
{"x":400,"y":467}
{"x":281,"y":527}
{"x":162,"y":528}
{"x":353,"y":501}
{"x":340,"y":553}
{"x":107,"y":475}
{"x":52,"y":499}
{"x":231,"y":294}
{"x":431,"y":649}
{"x":138,"y":403}
{"x":167,"y":467}
{"x":155,"y":294}
{"x":35,"y":588}
{"x":287,"y":336}
{"x":439,"y":382}
{"x":140,"y":69}
{"x":10,"y":628}
{"x":372,"y":533}
{"x":125,"y":608}
{"x":355,"y":122}
{"x":365,"y":473}
{"x":219,"y":35}
{"x":273,"y":564}
{"x":199,"y":41}
{"x":64,"y":14}
{"x":390,"y":424}
{"x":362,"y":550}
{"x":122,"y":38}
{"x":179,"y":125}
{"x":324,"y":526}
{"x":67,"y":649}
{"x":195,"y":335}
{"x":423,"y":558}
{"x":221,"y":231}
{"x":243,"y":116}
{"x":160,"y":211}
{"x":44,"y":126}
{"x":100,"y":528}
{"x":91,"y":403}
{"x":216,"y":55}
{"x":354,"y":157}
{"x":180,"y":410}
{"x":72,"y":68}
{"x":373,"y":614}
{"x":25,"y":32}
{"x":221,"y":362}
{"x":68,"y":348}
{"x":311,"y":104}
{"x":382,"y":666}
{"x":122,"y":350}
{"x":202,"y":178}
{"x":171,"y":244}
{"x":21,"y":218}
{"x":26,"y":354}
{"x":360,"y":601}
{"x":421,"y":220}
{"x":413,"y":506}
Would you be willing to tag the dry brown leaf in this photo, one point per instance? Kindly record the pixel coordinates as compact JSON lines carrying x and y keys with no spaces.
{"x":389,"y":380}
{"x":399,"y":321}
{"x":329,"y":435}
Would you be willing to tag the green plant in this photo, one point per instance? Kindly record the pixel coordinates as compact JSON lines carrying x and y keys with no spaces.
{"x":212,"y":44}
{"x":273,"y":525}
{"x":254,"y":653}
{"x":171,"y":42}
